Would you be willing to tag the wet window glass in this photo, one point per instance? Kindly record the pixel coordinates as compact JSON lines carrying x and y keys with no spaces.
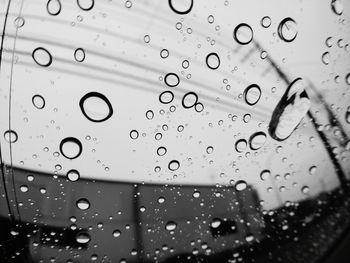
{"x":173,"y":130}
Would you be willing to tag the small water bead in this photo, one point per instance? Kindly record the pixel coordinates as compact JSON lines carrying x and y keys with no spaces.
{"x":189,"y":100}
{"x":171,"y":79}
{"x":86,"y":5}
{"x":73,"y":175}
{"x":185,"y":64}
{"x":210,"y":149}
{"x":337,"y":7}
{"x":116,"y":233}
{"x":181,"y":7}
{"x":30,"y":178}
{"x":312,"y":170}
{"x":158,"y":136}
{"x":329,"y":42}
{"x":265,"y":174}
{"x":347,"y":116}
{"x":257,"y":140}
{"x":96,"y":107}
{"x":128,"y":4}
{"x":10,"y":136}
{"x":161,"y":151}
{"x":212,"y":60}
{"x":166,"y":97}
{"x":216,"y":222}
{"x":252,"y":94}
{"x":241,"y":145}
{"x":325,"y":58}
{"x":287,"y":29}
{"x":24,"y":188}
{"x":42,"y":190}
{"x":79,"y":55}
{"x":83,"y":238}
{"x":263,"y":54}
{"x":243,"y":34}
{"x":246,"y":117}
{"x":149,"y":114}
{"x":161,"y":200}
{"x":180,"y":128}
{"x":54,"y":7}
{"x":19,"y":22}
{"x":38,"y":101}
{"x":210,"y":19}
{"x":83,"y":204}
{"x":134,"y":134}
{"x":249,"y":238}
{"x":170,"y":226}
{"x":173,"y":165}
{"x":71,"y":148}
{"x":265,"y":21}
{"x":164,"y":53}
{"x":196,"y":194}
{"x":240,"y":185}
{"x":42,"y":57}
{"x":305,"y":190}
{"x":147,"y":38}
{"x":347,"y":79}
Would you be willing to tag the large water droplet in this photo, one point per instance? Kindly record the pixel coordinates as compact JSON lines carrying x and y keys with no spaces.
{"x":252,"y":94}
{"x":96,"y":107}
{"x":54,"y":7}
{"x":83,"y":204}
{"x":287,"y":29}
{"x":71,"y":147}
{"x":42,"y":57}
{"x":243,"y":34}
{"x":257,"y":140}
{"x":290,"y":111}
{"x":181,"y":7}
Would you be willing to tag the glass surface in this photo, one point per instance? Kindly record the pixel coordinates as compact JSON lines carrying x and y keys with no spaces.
{"x":173,"y":131}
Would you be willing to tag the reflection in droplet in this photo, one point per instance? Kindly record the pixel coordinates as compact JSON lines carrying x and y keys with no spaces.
{"x":170,"y":226}
{"x":79,"y":55}
{"x":252,"y":94}
{"x":73,"y":175}
{"x":10,"y":136}
{"x":241,"y":145}
{"x":42,"y":57}
{"x":82,"y":238}
{"x":96,"y":107}
{"x":71,"y":147}
{"x":38,"y":101}
{"x":287,"y":29}
{"x":243,"y":34}
{"x":213,"y":60}
{"x":83,"y":204}
{"x":240,"y":185}
{"x":181,"y":7}
{"x":257,"y":140}
{"x":337,"y":7}
{"x":53,"y":7}
{"x":173,"y":165}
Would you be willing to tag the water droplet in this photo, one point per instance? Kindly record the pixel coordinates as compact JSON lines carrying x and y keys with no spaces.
{"x":116,"y":233}
{"x":257,"y":140}
{"x":213,"y":60}
{"x":171,"y":79}
{"x":185,"y":64}
{"x":170,"y":226}
{"x":86,"y":5}
{"x":134,"y":134}
{"x":189,"y":100}
{"x":147,"y":38}
{"x":42,"y":57}
{"x":329,"y":42}
{"x":53,"y":7}
{"x":265,"y":174}
{"x":215,"y":223}
{"x":161,"y":200}
{"x":161,"y":151}
{"x":347,"y":116}
{"x":73,"y":175}
{"x":243,"y":34}
{"x":149,"y":114}
{"x":19,"y":22}
{"x":82,"y":238}
{"x":305,"y":190}
{"x":38,"y":101}
{"x":210,"y":149}
{"x":241,"y":145}
{"x":181,"y":7}
{"x":337,"y":7}
{"x":265,"y":21}
{"x":166,"y":97}
{"x":30,"y":178}
{"x":10,"y":136}
{"x":347,"y":79}
{"x":71,"y":147}
{"x":240,"y":185}
{"x":252,"y":94}
{"x":249,"y":238}
{"x":24,"y":188}
{"x":196,"y":194}
{"x":287,"y":29}
{"x":247,"y":117}
{"x":96,"y":107}
{"x":83,"y":204}
{"x":79,"y":55}
{"x":199,"y":107}
{"x":326,"y":58}
{"x":164,"y":53}
{"x":210,"y":19}
{"x":290,"y":111}
{"x":173,"y":165}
